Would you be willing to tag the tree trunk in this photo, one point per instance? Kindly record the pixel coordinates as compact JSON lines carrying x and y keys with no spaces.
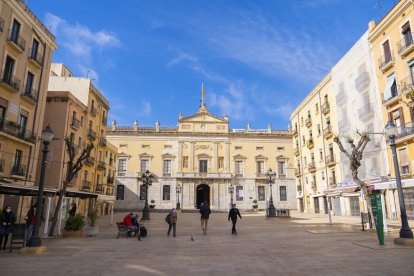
{"x":57,"y":211}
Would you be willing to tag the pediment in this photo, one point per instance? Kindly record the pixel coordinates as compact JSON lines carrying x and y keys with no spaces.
{"x":239,"y":157}
{"x":202,"y":117}
{"x":261,"y":157}
{"x":281,"y":157}
{"x":203,"y":155}
{"x":167,"y":156}
{"x":123,"y":154}
{"x":145,"y":155}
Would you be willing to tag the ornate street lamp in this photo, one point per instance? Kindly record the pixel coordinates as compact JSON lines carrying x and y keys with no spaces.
{"x":231,"y":191}
{"x":271,"y":211}
{"x":178,"y":191}
{"x":391,"y":132}
{"x":47,"y":136}
{"x":146,"y":181}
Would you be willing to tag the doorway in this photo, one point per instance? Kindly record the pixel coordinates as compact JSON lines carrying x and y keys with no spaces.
{"x":203,"y":194}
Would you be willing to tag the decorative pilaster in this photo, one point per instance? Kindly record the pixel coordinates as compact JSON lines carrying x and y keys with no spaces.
{"x":179,"y":156}
{"x":215,"y":158}
{"x":191,"y":157}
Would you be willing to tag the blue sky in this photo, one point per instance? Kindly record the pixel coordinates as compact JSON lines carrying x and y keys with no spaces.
{"x":257,"y":59}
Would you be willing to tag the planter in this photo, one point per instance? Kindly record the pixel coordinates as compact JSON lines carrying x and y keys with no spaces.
{"x":91,"y":231}
{"x":152,"y":206}
{"x":72,"y":234}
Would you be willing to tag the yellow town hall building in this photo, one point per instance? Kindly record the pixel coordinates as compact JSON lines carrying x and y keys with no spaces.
{"x":204,"y":157}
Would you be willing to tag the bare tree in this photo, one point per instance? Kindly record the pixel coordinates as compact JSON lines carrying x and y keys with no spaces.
{"x":355,"y":157}
{"x":73,"y":168}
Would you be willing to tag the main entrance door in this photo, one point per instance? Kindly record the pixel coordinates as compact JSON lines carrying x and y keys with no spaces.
{"x":203,"y":194}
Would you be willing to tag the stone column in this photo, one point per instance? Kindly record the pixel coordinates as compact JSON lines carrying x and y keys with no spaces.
{"x":215,"y":158}
{"x":191,"y":157}
{"x":179,"y":156}
{"x":227,"y":157}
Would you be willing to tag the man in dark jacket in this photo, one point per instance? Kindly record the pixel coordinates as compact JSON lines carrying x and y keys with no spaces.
{"x":205,"y":215}
{"x":30,"y":222}
{"x":7,"y":219}
{"x":233,"y":213}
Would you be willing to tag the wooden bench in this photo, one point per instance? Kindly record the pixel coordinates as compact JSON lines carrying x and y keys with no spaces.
{"x":285,"y":213}
{"x":18,"y":236}
{"x":122,"y":230}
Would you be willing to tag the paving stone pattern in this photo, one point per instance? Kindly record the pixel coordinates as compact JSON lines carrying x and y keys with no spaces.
{"x":302,"y":245}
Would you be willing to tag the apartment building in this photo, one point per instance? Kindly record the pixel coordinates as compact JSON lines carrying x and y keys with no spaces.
{"x":26,"y":48}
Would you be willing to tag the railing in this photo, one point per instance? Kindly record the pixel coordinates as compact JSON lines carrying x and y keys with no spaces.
{"x":311,"y":166}
{"x":91,"y":134}
{"x":75,"y":123}
{"x":99,"y":188}
{"x":238,"y":174}
{"x":104,"y":120}
{"x":1,"y":24}
{"x":295,"y":132}
{"x":325,"y":108}
{"x":309,"y":143}
{"x":385,"y":60}
{"x":313,"y":186}
{"x":86,"y":185}
{"x":93,"y":111}
{"x":327,"y":131}
{"x":16,"y":39}
{"x":10,"y":80}
{"x":281,"y":175}
{"x":296,"y":151}
{"x":260,"y":175}
{"x":297,"y":172}
{"x":90,"y":160}
{"x":122,"y":173}
{"x":405,"y":169}
{"x":102,"y":141}
{"x":332,"y":181}
{"x":405,"y":43}
{"x":19,"y":170}
{"x":101,"y":165}
{"x":15,"y":130}
{"x":406,"y":84}
{"x":308,"y":122}
{"x":330,"y":158}
{"x":36,"y":57}
{"x":31,"y":94}
{"x":407,"y":130}
{"x":1,"y":165}
{"x":166,"y":174}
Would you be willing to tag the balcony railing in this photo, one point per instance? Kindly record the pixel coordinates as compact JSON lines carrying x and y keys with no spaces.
{"x":17,"y":40}
{"x":327,"y":132}
{"x":90,"y":161}
{"x":86,"y":185}
{"x":1,"y":24}
{"x":309,"y":143}
{"x":101,"y":165}
{"x":297,"y":172}
{"x":295,"y":132}
{"x":239,"y":174}
{"x":14,"y":129}
{"x":93,"y":111}
{"x":405,"y":169}
{"x":332,"y":182}
{"x":296,"y":151}
{"x":406,"y":85}
{"x":36,"y":57}
{"x":325,"y":108}
{"x":91,"y":134}
{"x":1,"y":165}
{"x":166,"y":174}
{"x":330,"y":159}
{"x":362,"y":81}
{"x":386,"y":61}
{"x":366,"y":112}
{"x":407,"y":130}
{"x":311,"y":166}
{"x":99,"y":188}
{"x":406,"y":44}
{"x":104,"y":120}
{"x":313,"y":186}
{"x":75,"y":123}
{"x":10,"y":81}
{"x":308,"y":122}
{"x":102,"y":141}
{"x":31,"y":94}
{"x":19,"y":170}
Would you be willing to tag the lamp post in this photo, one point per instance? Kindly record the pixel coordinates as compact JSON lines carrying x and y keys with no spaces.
{"x":391,"y":131}
{"x":271,"y":211}
{"x":146,"y":181}
{"x":178,"y":191}
{"x":231,"y":191}
{"x":47,"y":136}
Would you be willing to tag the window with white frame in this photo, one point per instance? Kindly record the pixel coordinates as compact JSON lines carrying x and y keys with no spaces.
{"x":239,"y":193}
{"x":166,"y":190}
{"x":202,"y":168}
{"x":122,"y":167}
{"x":167,"y":167}
{"x":283,"y":193}
{"x":281,"y":168}
{"x":260,"y":170}
{"x":144,"y":165}
{"x":238,"y":168}
{"x":261,"y":196}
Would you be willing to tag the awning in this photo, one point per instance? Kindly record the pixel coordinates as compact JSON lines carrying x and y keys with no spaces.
{"x":387,"y":91}
{"x":106,"y":198}
{"x":11,"y":189}
{"x":79,"y":194}
{"x":405,"y":183}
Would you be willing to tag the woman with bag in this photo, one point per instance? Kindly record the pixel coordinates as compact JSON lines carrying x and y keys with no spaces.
{"x":171,"y":219}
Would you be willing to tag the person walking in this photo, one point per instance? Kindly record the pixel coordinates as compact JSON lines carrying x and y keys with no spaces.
{"x":30,"y":222}
{"x":172,"y":221}
{"x":6,"y":221}
{"x":72,"y":211}
{"x":205,"y":215}
{"x":233,"y":213}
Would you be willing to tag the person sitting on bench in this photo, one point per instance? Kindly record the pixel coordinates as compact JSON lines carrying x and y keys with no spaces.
{"x":136,"y":224}
{"x":128,"y":223}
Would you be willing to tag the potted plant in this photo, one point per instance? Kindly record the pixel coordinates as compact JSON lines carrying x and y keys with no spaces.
{"x":74,"y":225}
{"x":152,"y":205}
{"x":255,"y":205}
{"x":92,"y":230}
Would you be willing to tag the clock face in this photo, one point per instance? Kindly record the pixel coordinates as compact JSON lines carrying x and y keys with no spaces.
{"x":203,"y":126}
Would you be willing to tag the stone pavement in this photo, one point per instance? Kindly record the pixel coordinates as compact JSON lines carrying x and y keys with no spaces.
{"x":303,"y":245}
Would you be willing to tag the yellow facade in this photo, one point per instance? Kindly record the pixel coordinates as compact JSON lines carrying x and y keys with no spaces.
{"x":316,"y":154}
{"x":203,"y":157}
{"x":26,"y":48}
{"x":393,"y":55}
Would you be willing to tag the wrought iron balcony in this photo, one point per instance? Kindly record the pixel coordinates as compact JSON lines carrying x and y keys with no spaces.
{"x":406,"y":85}
{"x":313,"y":186}
{"x":332,"y":182}
{"x":30,"y":94}
{"x":405,"y":45}
{"x":15,"y":130}
{"x":10,"y":82}
{"x":93,"y":111}
{"x":1,"y":165}
{"x":406,"y":131}
{"x":99,"y":188}
{"x":330,"y":160}
{"x":102,"y":142}
{"x":16,"y":40}
{"x":36,"y":57}
{"x":296,"y":151}
{"x":91,"y":134}
{"x":75,"y":123}
{"x":310,"y":144}
{"x":311,"y":167}
{"x":238,"y":174}
{"x":308,"y":122}
{"x":295,"y":132}
{"x":19,"y":170}
{"x":166,"y":174}
{"x":327,"y":132}
{"x":90,"y":161}
{"x":325,"y":108}
{"x":86,"y":185}
{"x":297,"y":172}
{"x":386,"y":62}
{"x":101,"y":165}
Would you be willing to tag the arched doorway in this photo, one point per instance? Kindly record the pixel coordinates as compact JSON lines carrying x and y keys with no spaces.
{"x":203,"y":194}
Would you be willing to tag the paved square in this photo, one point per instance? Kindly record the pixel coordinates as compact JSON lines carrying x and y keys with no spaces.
{"x":299,"y":246}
